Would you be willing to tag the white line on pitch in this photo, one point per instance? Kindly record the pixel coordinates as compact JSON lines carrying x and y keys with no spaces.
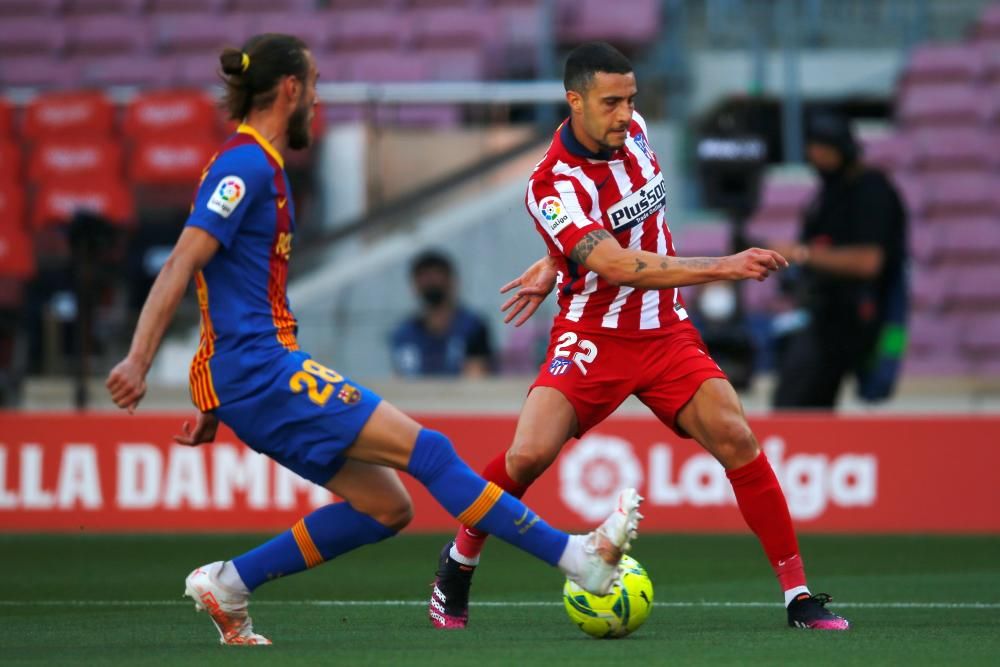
{"x":495,"y":603}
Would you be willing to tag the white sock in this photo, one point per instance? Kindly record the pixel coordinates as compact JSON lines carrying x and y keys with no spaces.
{"x":230,"y":578}
{"x":573,"y":557}
{"x":793,"y":593}
{"x":464,"y":560}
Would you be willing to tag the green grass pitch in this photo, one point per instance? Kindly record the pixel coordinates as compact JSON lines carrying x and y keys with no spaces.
{"x":115,"y":600}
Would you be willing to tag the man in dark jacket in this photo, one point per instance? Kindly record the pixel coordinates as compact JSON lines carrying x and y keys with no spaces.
{"x":852,"y":254}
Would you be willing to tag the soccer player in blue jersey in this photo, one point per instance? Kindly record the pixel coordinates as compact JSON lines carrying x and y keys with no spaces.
{"x":250,"y":374}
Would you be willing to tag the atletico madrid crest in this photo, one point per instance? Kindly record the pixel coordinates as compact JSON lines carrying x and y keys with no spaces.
{"x":559,"y":366}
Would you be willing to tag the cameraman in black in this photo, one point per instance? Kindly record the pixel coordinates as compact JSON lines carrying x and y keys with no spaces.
{"x":852,"y":256}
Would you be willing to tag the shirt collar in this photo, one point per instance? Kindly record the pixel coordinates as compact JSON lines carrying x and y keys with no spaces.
{"x":576,"y":148}
{"x":264,"y":143}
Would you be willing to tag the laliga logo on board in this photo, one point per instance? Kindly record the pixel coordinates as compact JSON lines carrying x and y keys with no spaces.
{"x":592,"y":472}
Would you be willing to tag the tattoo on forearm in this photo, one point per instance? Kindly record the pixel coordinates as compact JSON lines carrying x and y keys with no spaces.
{"x":639,"y":265}
{"x":581,"y":251}
{"x":697,"y":262}
{"x":665,"y":264}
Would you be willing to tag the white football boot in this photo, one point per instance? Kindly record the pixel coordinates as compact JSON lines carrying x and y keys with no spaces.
{"x":226,"y":608}
{"x":604,"y":547}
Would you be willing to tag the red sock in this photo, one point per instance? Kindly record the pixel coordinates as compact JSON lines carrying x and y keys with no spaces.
{"x":765,"y":510}
{"x":469,"y":541}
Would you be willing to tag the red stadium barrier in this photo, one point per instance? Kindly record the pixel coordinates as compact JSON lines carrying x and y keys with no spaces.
{"x":875,"y":475}
{"x":78,"y":114}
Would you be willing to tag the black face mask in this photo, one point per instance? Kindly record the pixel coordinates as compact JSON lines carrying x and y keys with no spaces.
{"x":433,"y":296}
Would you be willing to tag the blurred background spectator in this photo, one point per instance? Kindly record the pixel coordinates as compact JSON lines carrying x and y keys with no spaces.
{"x":444,"y":338}
{"x":848,"y":273}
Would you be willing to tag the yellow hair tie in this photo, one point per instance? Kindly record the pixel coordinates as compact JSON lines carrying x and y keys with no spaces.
{"x":245,"y":61}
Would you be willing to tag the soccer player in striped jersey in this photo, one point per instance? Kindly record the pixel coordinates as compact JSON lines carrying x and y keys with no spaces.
{"x":250,"y":374}
{"x":597,"y":198}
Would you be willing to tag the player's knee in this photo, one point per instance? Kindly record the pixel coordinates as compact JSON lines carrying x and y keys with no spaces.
{"x":397,"y":516}
{"x":735,"y":444}
{"x":432,"y":454}
{"x":393,"y":510}
{"x":526,"y":464}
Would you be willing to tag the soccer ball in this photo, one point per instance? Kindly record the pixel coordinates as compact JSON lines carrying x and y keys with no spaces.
{"x":617,"y":614}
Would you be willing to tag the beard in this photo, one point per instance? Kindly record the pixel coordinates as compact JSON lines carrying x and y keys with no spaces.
{"x":299,"y":135}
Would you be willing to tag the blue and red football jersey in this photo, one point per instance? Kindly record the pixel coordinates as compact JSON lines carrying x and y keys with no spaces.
{"x":244,"y":201}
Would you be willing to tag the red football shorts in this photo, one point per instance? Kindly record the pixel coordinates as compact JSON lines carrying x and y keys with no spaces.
{"x":596,"y":371}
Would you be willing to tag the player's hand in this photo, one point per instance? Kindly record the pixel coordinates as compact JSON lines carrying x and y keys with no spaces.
{"x":536,"y":282}
{"x":204,"y":430}
{"x":127,"y":384}
{"x":755,"y":263}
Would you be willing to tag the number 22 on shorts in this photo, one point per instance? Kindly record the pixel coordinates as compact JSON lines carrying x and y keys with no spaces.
{"x":585,"y":354}
{"x":305,"y":380}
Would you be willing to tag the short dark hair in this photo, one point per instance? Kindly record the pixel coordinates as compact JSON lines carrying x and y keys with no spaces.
{"x":252,"y":73}
{"x":432,"y":259}
{"x":587,"y":59}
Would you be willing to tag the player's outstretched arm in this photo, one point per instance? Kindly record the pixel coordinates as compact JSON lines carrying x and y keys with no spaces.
{"x":127,"y":380}
{"x":601,"y":253}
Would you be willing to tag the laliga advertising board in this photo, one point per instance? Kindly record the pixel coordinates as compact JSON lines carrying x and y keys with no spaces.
{"x":110,"y":473}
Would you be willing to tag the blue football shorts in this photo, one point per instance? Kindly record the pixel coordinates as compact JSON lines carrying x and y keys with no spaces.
{"x":301,"y":414}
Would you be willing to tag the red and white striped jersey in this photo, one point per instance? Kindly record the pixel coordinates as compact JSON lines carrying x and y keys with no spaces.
{"x":574,"y":191}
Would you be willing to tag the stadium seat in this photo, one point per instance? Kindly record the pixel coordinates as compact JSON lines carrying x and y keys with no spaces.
{"x":119,"y":70}
{"x":944,"y":63}
{"x":109,"y":34}
{"x":341,"y":5}
{"x":384,"y":66}
{"x":951,"y":149}
{"x":74,"y":159}
{"x":987,"y":28}
{"x":314,"y":28}
{"x":366,"y":29}
{"x":6,"y":119}
{"x":105,"y":7}
{"x":17,"y":255}
{"x":10,"y":163}
{"x":913,"y":190}
{"x":980,"y":335}
{"x":178,"y":112}
{"x":56,"y":202}
{"x":22,"y":8}
{"x":449,"y":28}
{"x":942,"y":104}
{"x":889,"y":152}
{"x":968,"y":238}
{"x":960,"y":192}
{"x":974,"y":286}
{"x":194,"y":32}
{"x":270,"y":6}
{"x":31,"y":36}
{"x":632,"y":23}
{"x":184,"y":6}
{"x":174,"y":160}
{"x":12,"y":205}
{"x":86,"y":114}
{"x":924,"y":241}
{"x":198,"y":70}
{"x":38,"y":71}
{"x":928,"y":286}
{"x":106,"y":196}
{"x":779,"y":198}
{"x":460,"y":64}
{"x":703,"y":240}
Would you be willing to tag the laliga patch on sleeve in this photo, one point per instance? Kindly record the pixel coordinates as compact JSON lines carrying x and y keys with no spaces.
{"x":554,"y":214}
{"x":227,"y":196}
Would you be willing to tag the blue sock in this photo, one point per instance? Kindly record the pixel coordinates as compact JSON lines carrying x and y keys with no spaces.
{"x":325,"y":534}
{"x":476,"y":502}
